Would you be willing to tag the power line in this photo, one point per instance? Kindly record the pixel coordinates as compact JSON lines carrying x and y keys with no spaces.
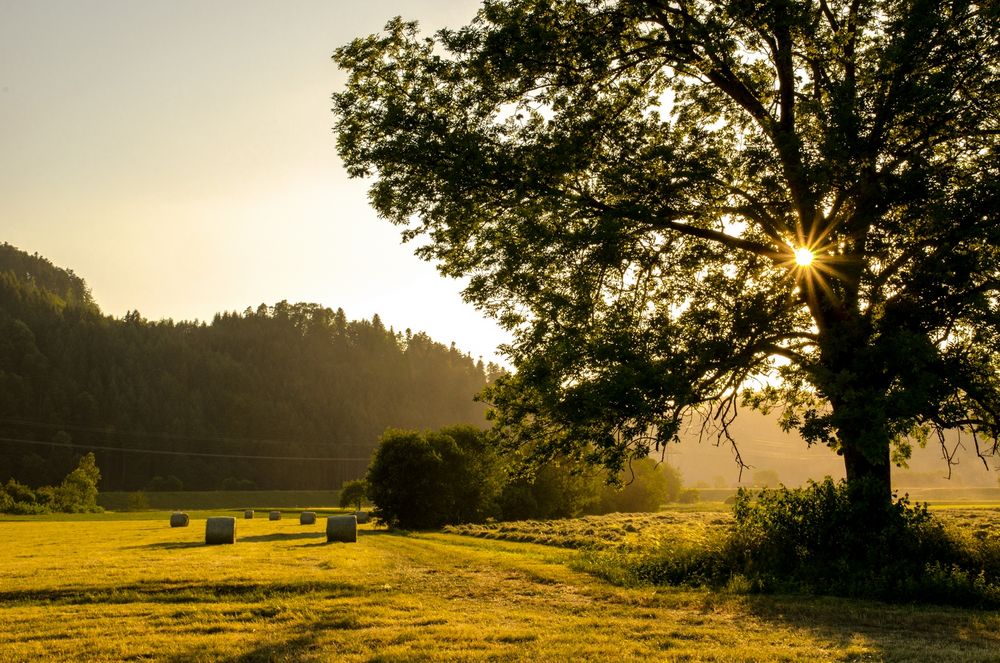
{"x":163,"y":452}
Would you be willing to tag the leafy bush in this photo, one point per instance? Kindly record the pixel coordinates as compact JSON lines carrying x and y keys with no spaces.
{"x":689,"y":496}
{"x":137,"y":501}
{"x":76,"y":494}
{"x":426,"y":480}
{"x":352,"y":494}
{"x":555,"y":490}
{"x":647,"y":485}
{"x":561,"y":489}
{"x":826,"y":539}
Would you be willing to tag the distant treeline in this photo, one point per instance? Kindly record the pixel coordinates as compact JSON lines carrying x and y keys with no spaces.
{"x":278,"y":383}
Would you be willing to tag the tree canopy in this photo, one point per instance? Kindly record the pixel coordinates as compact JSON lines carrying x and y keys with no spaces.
{"x":680,"y":206}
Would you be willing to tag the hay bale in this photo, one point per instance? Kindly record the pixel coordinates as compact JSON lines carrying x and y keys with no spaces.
{"x":220,"y":529}
{"x":179,"y":519}
{"x":248,"y":514}
{"x":307,"y":518}
{"x":343,"y":529}
{"x":274,"y":515}
{"x":362,"y":517}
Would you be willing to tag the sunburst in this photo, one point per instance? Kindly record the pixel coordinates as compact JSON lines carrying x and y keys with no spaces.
{"x":804,"y":256}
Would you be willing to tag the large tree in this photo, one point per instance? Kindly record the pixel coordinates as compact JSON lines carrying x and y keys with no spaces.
{"x":679,"y":204}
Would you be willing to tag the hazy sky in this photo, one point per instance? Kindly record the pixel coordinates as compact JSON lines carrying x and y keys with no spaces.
{"x":179,"y":156}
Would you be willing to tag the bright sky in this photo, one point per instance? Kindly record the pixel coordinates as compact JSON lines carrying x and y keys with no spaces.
{"x":179,"y":156}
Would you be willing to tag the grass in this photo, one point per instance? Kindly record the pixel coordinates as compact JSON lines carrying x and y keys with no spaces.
{"x":112,"y":587}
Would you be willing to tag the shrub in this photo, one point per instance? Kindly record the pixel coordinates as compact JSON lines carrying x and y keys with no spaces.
{"x":826,"y":536}
{"x":352,"y":494}
{"x":76,"y":494}
{"x":689,"y":496}
{"x":826,"y":539}
{"x":19,"y":493}
{"x":647,"y":485}
{"x":137,"y":501}
{"x":563,"y":489}
{"x":19,"y":499}
{"x":426,"y":480}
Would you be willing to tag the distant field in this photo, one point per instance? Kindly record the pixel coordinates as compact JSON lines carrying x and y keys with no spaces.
{"x":116,"y":587}
{"x":224,"y":499}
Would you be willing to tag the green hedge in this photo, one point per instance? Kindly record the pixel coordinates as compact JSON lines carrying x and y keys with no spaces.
{"x":224,"y":499}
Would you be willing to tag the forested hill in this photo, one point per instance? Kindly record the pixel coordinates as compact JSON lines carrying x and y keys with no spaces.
{"x":252,"y":392}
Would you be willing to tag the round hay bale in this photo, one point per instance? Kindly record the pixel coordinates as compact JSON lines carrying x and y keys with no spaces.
{"x":274,"y":515}
{"x":248,"y":514}
{"x":220,"y":529}
{"x":343,"y":529}
{"x":179,"y":520}
{"x":362,"y":517}
{"x":307,"y":518}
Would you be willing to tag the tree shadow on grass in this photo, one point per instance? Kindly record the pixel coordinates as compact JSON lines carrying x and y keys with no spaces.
{"x":302,"y":646}
{"x":181,"y":592}
{"x":896,"y":632}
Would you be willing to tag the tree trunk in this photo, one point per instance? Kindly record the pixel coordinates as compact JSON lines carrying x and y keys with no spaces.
{"x":871,"y":479}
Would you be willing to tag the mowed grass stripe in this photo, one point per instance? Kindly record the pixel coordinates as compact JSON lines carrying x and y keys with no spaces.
{"x":137,"y":589}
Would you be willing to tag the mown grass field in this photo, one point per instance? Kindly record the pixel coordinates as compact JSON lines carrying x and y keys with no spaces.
{"x":117,"y":588}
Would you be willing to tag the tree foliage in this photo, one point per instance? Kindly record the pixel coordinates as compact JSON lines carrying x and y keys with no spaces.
{"x":626,"y":183}
{"x":425,"y":480}
{"x":455,"y":475}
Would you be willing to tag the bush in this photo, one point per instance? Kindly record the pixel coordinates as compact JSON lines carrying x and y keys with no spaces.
{"x":426,"y":480}
{"x":562,"y":489}
{"x":827,"y":539}
{"x":137,"y":501}
{"x":689,"y":496}
{"x":352,"y":494}
{"x":19,"y":493}
{"x":647,"y":485}
{"x":76,"y":494}
{"x":19,"y":499}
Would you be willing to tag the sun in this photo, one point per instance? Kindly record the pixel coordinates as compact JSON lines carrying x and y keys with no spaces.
{"x":803,"y":257}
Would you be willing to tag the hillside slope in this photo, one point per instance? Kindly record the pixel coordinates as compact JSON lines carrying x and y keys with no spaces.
{"x":240,"y":399}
